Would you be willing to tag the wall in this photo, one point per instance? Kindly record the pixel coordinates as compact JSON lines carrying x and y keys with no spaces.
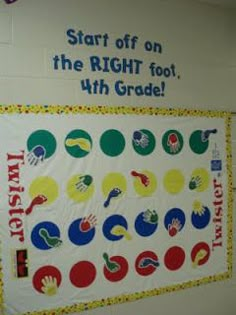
{"x":196,"y":37}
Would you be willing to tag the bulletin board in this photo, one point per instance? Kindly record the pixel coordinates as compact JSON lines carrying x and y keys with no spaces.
{"x":104,"y":205}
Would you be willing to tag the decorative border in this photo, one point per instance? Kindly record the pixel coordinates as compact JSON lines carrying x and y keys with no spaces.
{"x":126,"y":110}
{"x":111,"y":110}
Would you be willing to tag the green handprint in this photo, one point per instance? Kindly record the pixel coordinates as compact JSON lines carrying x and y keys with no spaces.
{"x":195,"y":182}
{"x":150,"y":216}
{"x":84,"y":182}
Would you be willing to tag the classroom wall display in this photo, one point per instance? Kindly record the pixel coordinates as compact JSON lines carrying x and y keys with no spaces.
{"x":105,"y":205}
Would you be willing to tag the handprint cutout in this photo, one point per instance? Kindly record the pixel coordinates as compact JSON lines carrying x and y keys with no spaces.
{"x":195,"y":182}
{"x":84,"y":183}
{"x":173,"y":143}
{"x":36,"y":155}
{"x":174,"y":227}
{"x":88,"y":223}
{"x":140,"y":139}
{"x":150,"y":216}
{"x":49,"y":285}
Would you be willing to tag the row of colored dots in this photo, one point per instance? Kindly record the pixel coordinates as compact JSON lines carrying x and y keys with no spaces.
{"x":48,"y":279}
{"x":44,"y":190}
{"x":46,"y":235}
{"x":42,"y":144}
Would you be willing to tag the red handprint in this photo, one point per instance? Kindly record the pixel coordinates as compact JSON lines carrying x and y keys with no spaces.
{"x":88,"y":223}
{"x":173,"y":143}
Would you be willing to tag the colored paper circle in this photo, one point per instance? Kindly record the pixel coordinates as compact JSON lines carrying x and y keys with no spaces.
{"x":79,"y":189}
{"x":78,"y":143}
{"x":196,"y":142}
{"x":45,"y":186}
{"x":174,"y":221}
{"x":112,"y":142}
{"x":200,"y":180}
{"x":42,"y":273}
{"x":172,"y":142}
{"x":77,"y":236}
{"x":83,"y":274}
{"x":44,"y":139}
{"x":46,"y":235}
{"x":143,"y":226}
{"x":113,"y":187}
{"x":110,"y":225}
{"x":145,"y":190}
{"x":113,"y":180}
{"x":201,"y":215}
{"x":174,"y":258}
{"x":143,"y":141}
{"x":174,"y":181}
{"x":146,"y":263}
{"x":120,"y":273}
{"x":200,"y":254}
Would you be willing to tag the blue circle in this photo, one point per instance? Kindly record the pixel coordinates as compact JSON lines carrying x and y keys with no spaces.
{"x":37,"y":240}
{"x":110,"y":223}
{"x":172,"y":214}
{"x":144,"y":228}
{"x":78,"y":237}
{"x":201,"y":221}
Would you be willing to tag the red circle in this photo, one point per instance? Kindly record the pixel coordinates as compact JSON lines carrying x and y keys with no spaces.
{"x":43,"y":272}
{"x":82,"y":274}
{"x":197,"y":248}
{"x":149,"y":269}
{"x":174,"y":258}
{"x":121,"y":273}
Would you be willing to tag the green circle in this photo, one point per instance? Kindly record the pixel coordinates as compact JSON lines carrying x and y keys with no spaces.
{"x":112,"y":142}
{"x":43,"y":138}
{"x":196,"y":144}
{"x":145,"y":149}
{"x":78,"y":143}
{"x":172,"y":142}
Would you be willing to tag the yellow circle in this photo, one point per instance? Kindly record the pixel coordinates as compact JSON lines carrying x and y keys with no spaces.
{"x":114,"y":180}
{"x":74,"y":190}
{"x":201,"y":178}
{"x":174,"y":181}
{"x":147,"y":190}
{"x":45,"y":186}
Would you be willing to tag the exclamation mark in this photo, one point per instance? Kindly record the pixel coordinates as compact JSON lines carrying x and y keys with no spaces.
{"x":163,"y":85}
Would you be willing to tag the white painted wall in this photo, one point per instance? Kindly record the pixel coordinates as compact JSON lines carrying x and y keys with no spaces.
{"x":198,"y":38}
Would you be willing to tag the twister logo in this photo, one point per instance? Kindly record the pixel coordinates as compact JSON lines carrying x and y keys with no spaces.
{"x":15,"y":190}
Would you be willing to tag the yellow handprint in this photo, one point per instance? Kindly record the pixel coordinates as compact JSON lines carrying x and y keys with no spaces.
{"x":198,"y":208}
{"x":49,"y":285}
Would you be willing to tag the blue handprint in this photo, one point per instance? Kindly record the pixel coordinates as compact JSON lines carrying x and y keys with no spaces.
{"x":140,"y":139}
{"x":36,"y":155}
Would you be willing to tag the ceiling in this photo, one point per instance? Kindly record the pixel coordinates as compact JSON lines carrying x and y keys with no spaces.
{"x":223,"y":3}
